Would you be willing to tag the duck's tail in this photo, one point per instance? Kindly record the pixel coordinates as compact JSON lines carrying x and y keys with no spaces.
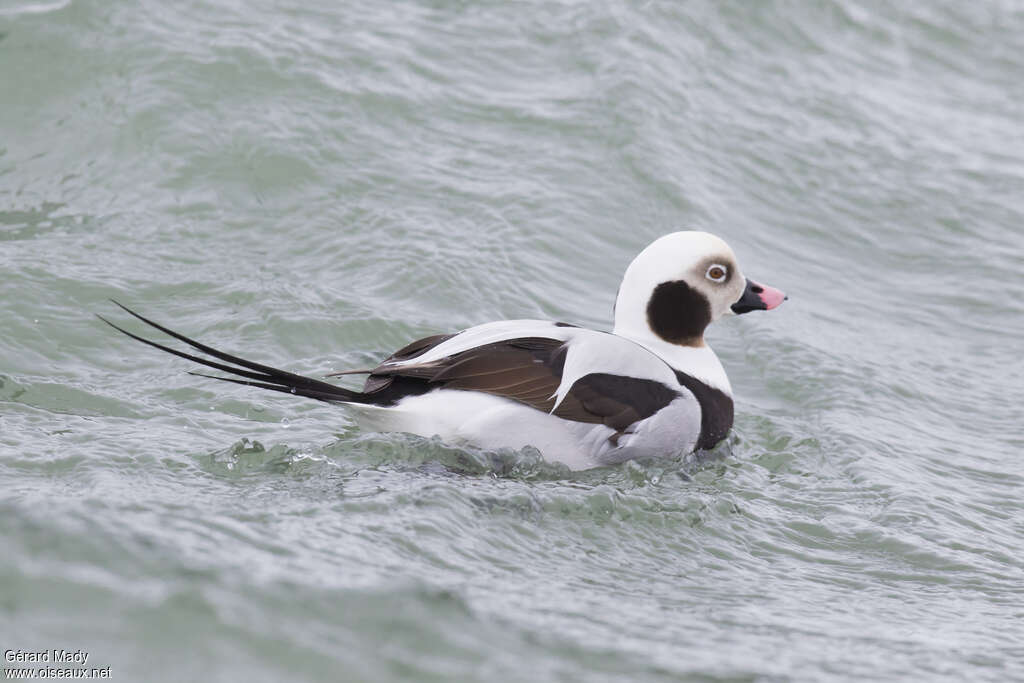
{"x":256,"y":374}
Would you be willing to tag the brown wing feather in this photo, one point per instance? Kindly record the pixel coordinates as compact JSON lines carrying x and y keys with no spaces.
{"x":418,"y":347}
{"x":407,"y":352}
{"x":527,"y":370}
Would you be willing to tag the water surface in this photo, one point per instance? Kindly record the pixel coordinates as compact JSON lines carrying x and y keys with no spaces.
{"x":314,"y":185}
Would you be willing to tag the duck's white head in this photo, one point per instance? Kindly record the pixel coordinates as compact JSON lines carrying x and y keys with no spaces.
{"x":680,"y":284}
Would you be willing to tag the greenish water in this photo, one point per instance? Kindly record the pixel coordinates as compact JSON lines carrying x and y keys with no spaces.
{"x":314,"y":185}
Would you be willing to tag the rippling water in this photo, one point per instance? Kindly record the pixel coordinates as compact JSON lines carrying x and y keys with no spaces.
{"x":315,"y":185}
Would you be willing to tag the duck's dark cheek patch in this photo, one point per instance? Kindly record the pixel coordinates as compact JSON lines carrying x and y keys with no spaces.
{"x":677,"y":313}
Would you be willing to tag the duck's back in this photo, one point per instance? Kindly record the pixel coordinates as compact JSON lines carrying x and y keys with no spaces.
{"x":580,"y":396}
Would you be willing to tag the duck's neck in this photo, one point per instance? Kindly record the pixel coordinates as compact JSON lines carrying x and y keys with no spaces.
{"x":699,"y":361}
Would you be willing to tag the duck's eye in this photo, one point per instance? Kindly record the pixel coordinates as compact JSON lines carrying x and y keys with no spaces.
{"x":717,"y":273}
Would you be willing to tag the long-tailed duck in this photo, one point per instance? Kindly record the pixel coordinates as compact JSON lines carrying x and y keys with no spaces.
{"x":651,"y":387}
